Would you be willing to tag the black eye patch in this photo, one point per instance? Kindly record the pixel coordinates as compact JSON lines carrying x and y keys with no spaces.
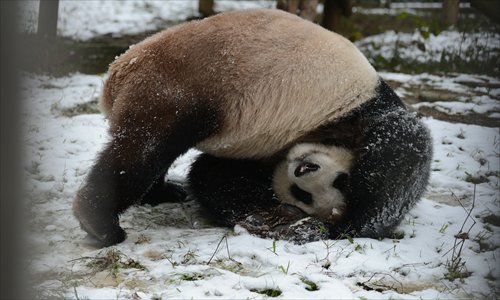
{"x":341,"y":181}
{"x":301,"y":195}
{"x":306,"y":167}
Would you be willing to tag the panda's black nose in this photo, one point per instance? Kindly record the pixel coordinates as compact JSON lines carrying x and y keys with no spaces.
{"x":304,"y":168}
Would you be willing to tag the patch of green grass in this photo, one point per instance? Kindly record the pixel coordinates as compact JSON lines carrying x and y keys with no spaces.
{"x":268,"y":292}
{"x":189,"y":257}
{"x":90,"y":107}
{"x":475,"y":179}
{"x":455,"y":269}
{"x":273,"y":247}
{"x":311,"y":286}
{"x":443,"y":228}
{"x":229,"y":265}
{"x":113,"y":260}
{"x":192,"y":276}
{"x":284,"y":269}
{"x":323,"y":229}
{"x":398,"y":235}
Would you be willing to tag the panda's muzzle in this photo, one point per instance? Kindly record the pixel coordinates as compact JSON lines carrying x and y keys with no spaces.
{"x":304,"y":168}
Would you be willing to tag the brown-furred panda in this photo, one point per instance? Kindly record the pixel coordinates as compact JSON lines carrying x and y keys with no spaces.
{"x":249,"y":85}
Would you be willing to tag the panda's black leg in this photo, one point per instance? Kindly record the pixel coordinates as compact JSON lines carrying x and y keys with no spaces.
{"x":127,"y":168}
{"x":240,"y":192}
{"x":122,"y":174}
{"x":390,"y":175}
{"x":230,"y":189}
{"x":164,"y":191}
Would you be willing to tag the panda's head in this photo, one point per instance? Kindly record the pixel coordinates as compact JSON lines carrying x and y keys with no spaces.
{"x":313,"y":178}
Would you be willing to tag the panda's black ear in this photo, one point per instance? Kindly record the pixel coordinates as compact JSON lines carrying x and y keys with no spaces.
{"x":341,"y":181}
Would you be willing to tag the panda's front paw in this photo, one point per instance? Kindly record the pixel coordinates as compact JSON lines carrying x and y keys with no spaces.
{"x":103,"y":235}
{"x":102,"y":225}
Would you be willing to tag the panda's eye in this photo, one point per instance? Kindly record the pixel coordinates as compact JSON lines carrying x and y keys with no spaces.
{"x":304,"y":168}
{"x":341,"y":181}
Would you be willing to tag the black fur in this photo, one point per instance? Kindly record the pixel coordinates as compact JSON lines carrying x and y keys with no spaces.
{"x":231,"y":189}
{"x":162,"y":192}
{"x":341,"y":183}
{"x":392,"y":151}
{"x":301,"y":195}
{"x":391,"y":169}
{"x":127,"y":169}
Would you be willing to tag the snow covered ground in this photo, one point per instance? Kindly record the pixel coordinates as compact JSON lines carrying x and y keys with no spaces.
{"x":171,"y":246}
{"x":447,"y":246}
{"x":434,"y":48}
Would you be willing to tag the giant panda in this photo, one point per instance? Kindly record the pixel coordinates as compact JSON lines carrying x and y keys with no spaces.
{"x":249,"y":85}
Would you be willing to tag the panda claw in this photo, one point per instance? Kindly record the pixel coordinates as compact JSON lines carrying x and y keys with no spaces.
{"x":106,"y":240}
{"x":100,"y":237}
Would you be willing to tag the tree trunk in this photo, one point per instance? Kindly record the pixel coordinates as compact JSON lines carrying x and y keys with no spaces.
{"x":206,"y":7}
{"x":333,"y":10}
{"x":450,"y":12}
{"x":490,"y":8}
{"x":47,"y":18}
{"x":306,"y":9}
{"x":291,"y":6}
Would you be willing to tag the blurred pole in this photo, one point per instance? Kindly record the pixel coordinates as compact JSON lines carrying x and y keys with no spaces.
{"x":47,"y":18}
{"x":305,"y":9}
{"x":12,"y":261}
{"x":206,"y":7}
{"x":333,"y":10}
{"x":308,"y":9}
{"x":488,"y":7}
{"x":291,"y":6}
{"x":450,"y":12}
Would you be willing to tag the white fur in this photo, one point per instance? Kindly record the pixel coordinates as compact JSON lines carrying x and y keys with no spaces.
{"x":328,"y":202}
{"x":301,"y":77}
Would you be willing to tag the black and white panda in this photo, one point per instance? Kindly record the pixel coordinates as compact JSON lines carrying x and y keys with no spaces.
{"x":249,"y":85}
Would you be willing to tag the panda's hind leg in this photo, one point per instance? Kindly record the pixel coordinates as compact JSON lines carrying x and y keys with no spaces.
{"x":125,"y":170}
{"x":164,"y":192}
{"x":231,"y":189}
{"x":236,"y":191}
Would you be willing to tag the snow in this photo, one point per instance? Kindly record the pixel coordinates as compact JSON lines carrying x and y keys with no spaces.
{"x":464,"y":99}
{"x":396,"y":8}
{"x":179,"y":254}
{"x":83,"y":20}
{"x":444,"y":46}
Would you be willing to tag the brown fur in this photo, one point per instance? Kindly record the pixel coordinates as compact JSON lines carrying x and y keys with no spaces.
{"x":259,"y":75}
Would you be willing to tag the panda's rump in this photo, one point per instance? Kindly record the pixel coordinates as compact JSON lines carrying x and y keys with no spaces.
{"x":272,"y":77}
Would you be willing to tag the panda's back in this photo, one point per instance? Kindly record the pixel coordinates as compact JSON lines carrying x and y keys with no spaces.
{"x":274,"y":76}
